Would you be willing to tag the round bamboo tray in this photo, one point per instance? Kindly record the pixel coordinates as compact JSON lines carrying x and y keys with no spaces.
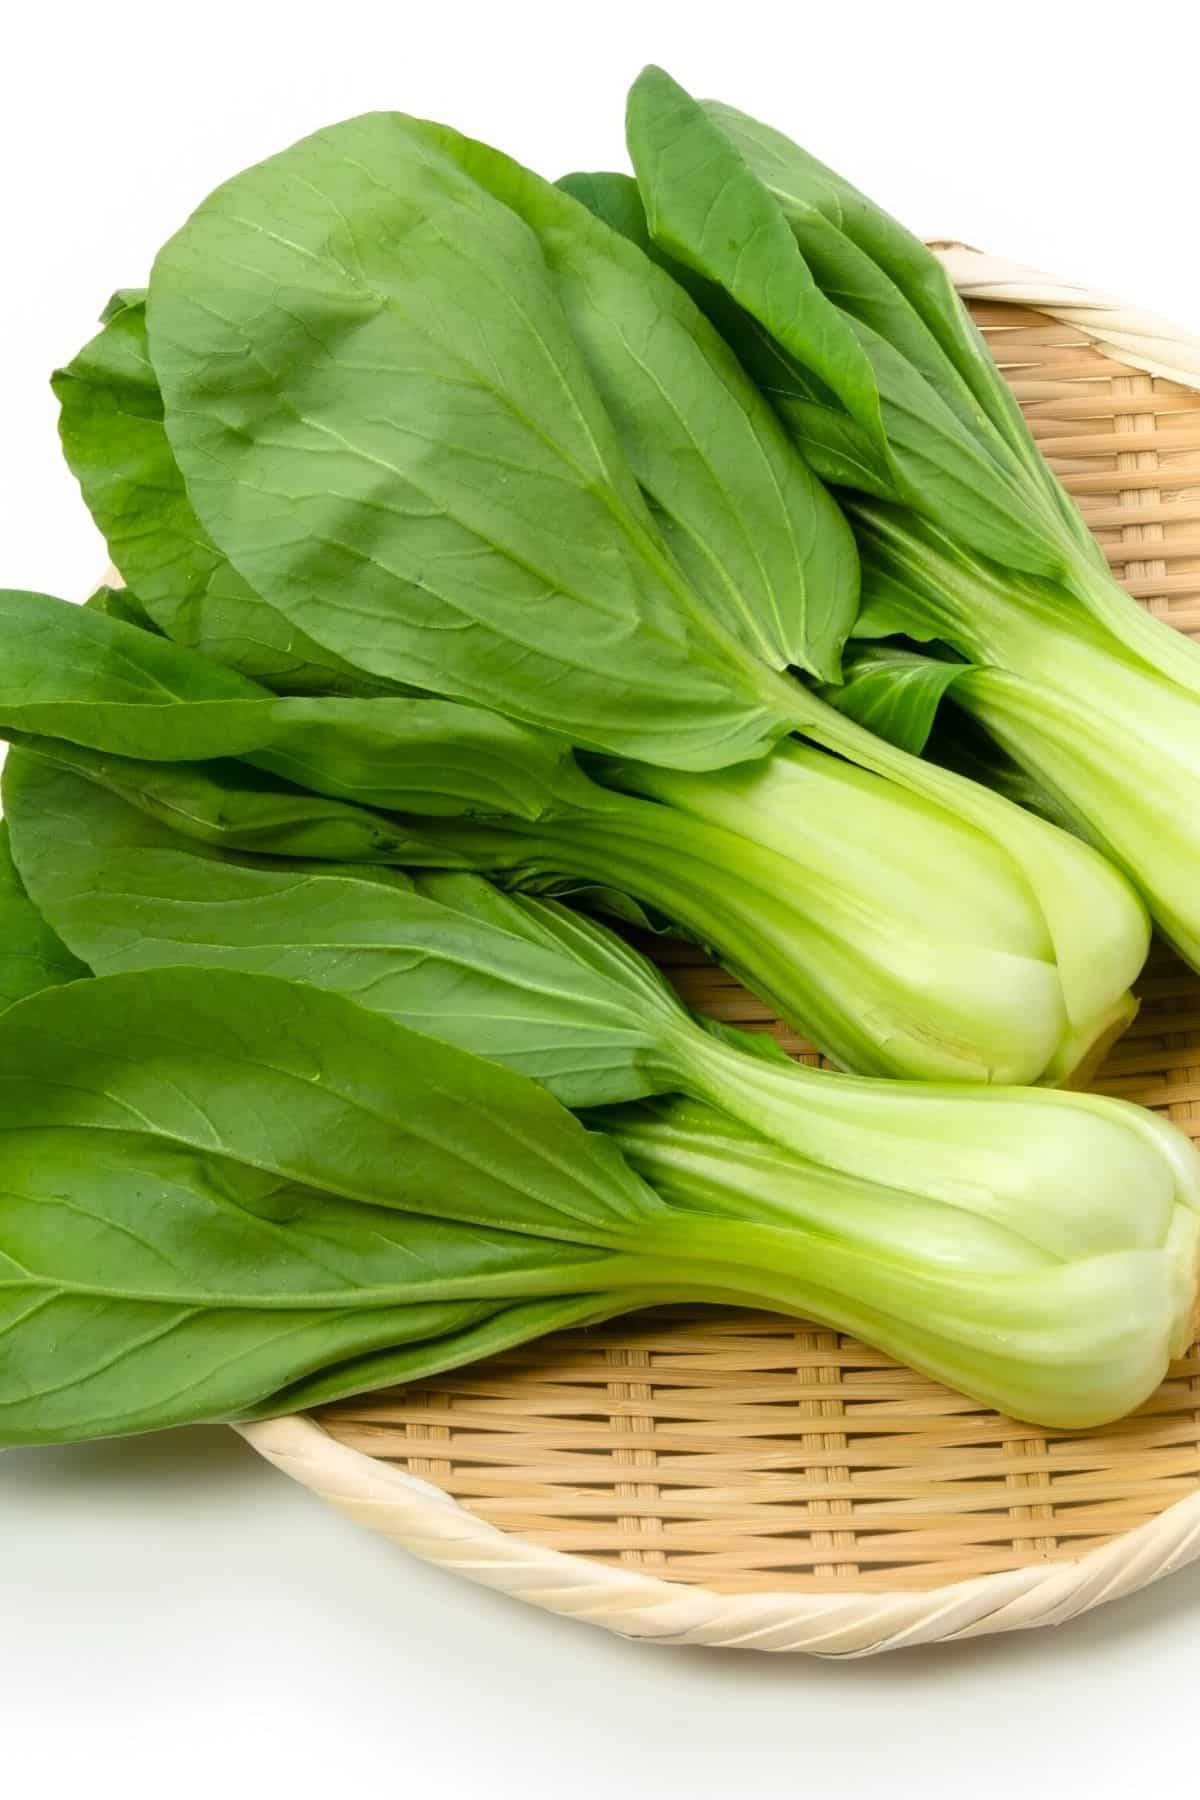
{"x":741,"y":1480}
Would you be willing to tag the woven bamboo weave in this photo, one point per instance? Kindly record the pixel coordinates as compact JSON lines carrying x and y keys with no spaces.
{"x":736,"y":1478}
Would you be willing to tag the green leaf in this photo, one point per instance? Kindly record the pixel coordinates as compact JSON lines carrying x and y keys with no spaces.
{"x":229,"y":806}
{"x":838,"y":449}
{"x":753,"y":530}
{"x":385,"y":423}
{"x":612,"y":198}
{"x":709,"y":211}
{"x":883,"y":275}
{"x":95,"y":1364}
{"x":120,"y":301}
{"x":895,"y":693}
{"x":307,"y":1086}
{"x":518,"y":1323}
{"x":960,"y":453}
{"x":215,"y":1186}
{"x":74,"y":673}
{"x":522,"y":982}
{"x":833,"y":312}
{"x":124,"y":605}
{"x":872,"y":269}
{"x":610,"y":903}
{"x":111,"y":424}
{"x":32,"y":956}
{"x":152,"y":1220}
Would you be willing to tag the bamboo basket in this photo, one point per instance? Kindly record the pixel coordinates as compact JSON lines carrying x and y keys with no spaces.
{"x":740,"y":1480}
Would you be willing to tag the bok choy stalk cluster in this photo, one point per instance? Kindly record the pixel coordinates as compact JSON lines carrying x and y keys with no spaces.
{"x":1037,"y":1249}
{"x":396,"y":413}
{"x":473,"y":526}
{"x":854,"y":329}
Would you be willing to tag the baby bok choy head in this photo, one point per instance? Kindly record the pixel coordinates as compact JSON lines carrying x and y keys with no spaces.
{"x":854,"y":329}
{"x":915,"y":926}
{"x":225,"y":1195}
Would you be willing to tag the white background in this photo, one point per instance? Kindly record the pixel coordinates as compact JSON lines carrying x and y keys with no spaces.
{"x":175,"y":1618}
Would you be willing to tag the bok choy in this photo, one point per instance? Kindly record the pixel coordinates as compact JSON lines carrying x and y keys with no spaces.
{"x":395,"y":395}
{"x":809,"y":877}
{"x":563,"y":1000}
{"x":227,"y":1195}
{"x":853,"y":328}
{"x":478,"y":559}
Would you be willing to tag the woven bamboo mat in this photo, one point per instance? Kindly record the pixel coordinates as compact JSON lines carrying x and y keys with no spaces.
{"x":747,"y":1453}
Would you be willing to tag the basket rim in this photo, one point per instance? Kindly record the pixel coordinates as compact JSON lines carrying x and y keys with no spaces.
{"x":431,"y":1524}
{"x":428,"y":1522}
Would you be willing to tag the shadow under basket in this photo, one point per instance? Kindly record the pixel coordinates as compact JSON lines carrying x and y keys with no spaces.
{"x":737,"y":1479}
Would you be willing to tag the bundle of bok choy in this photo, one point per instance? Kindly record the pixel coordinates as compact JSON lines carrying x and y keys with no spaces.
{"x":959,"y":1228}
{"x":394,"y":400}
{"x":475,"y":526}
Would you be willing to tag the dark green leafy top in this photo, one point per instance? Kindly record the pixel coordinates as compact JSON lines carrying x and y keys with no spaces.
{"x":460,"y":431}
